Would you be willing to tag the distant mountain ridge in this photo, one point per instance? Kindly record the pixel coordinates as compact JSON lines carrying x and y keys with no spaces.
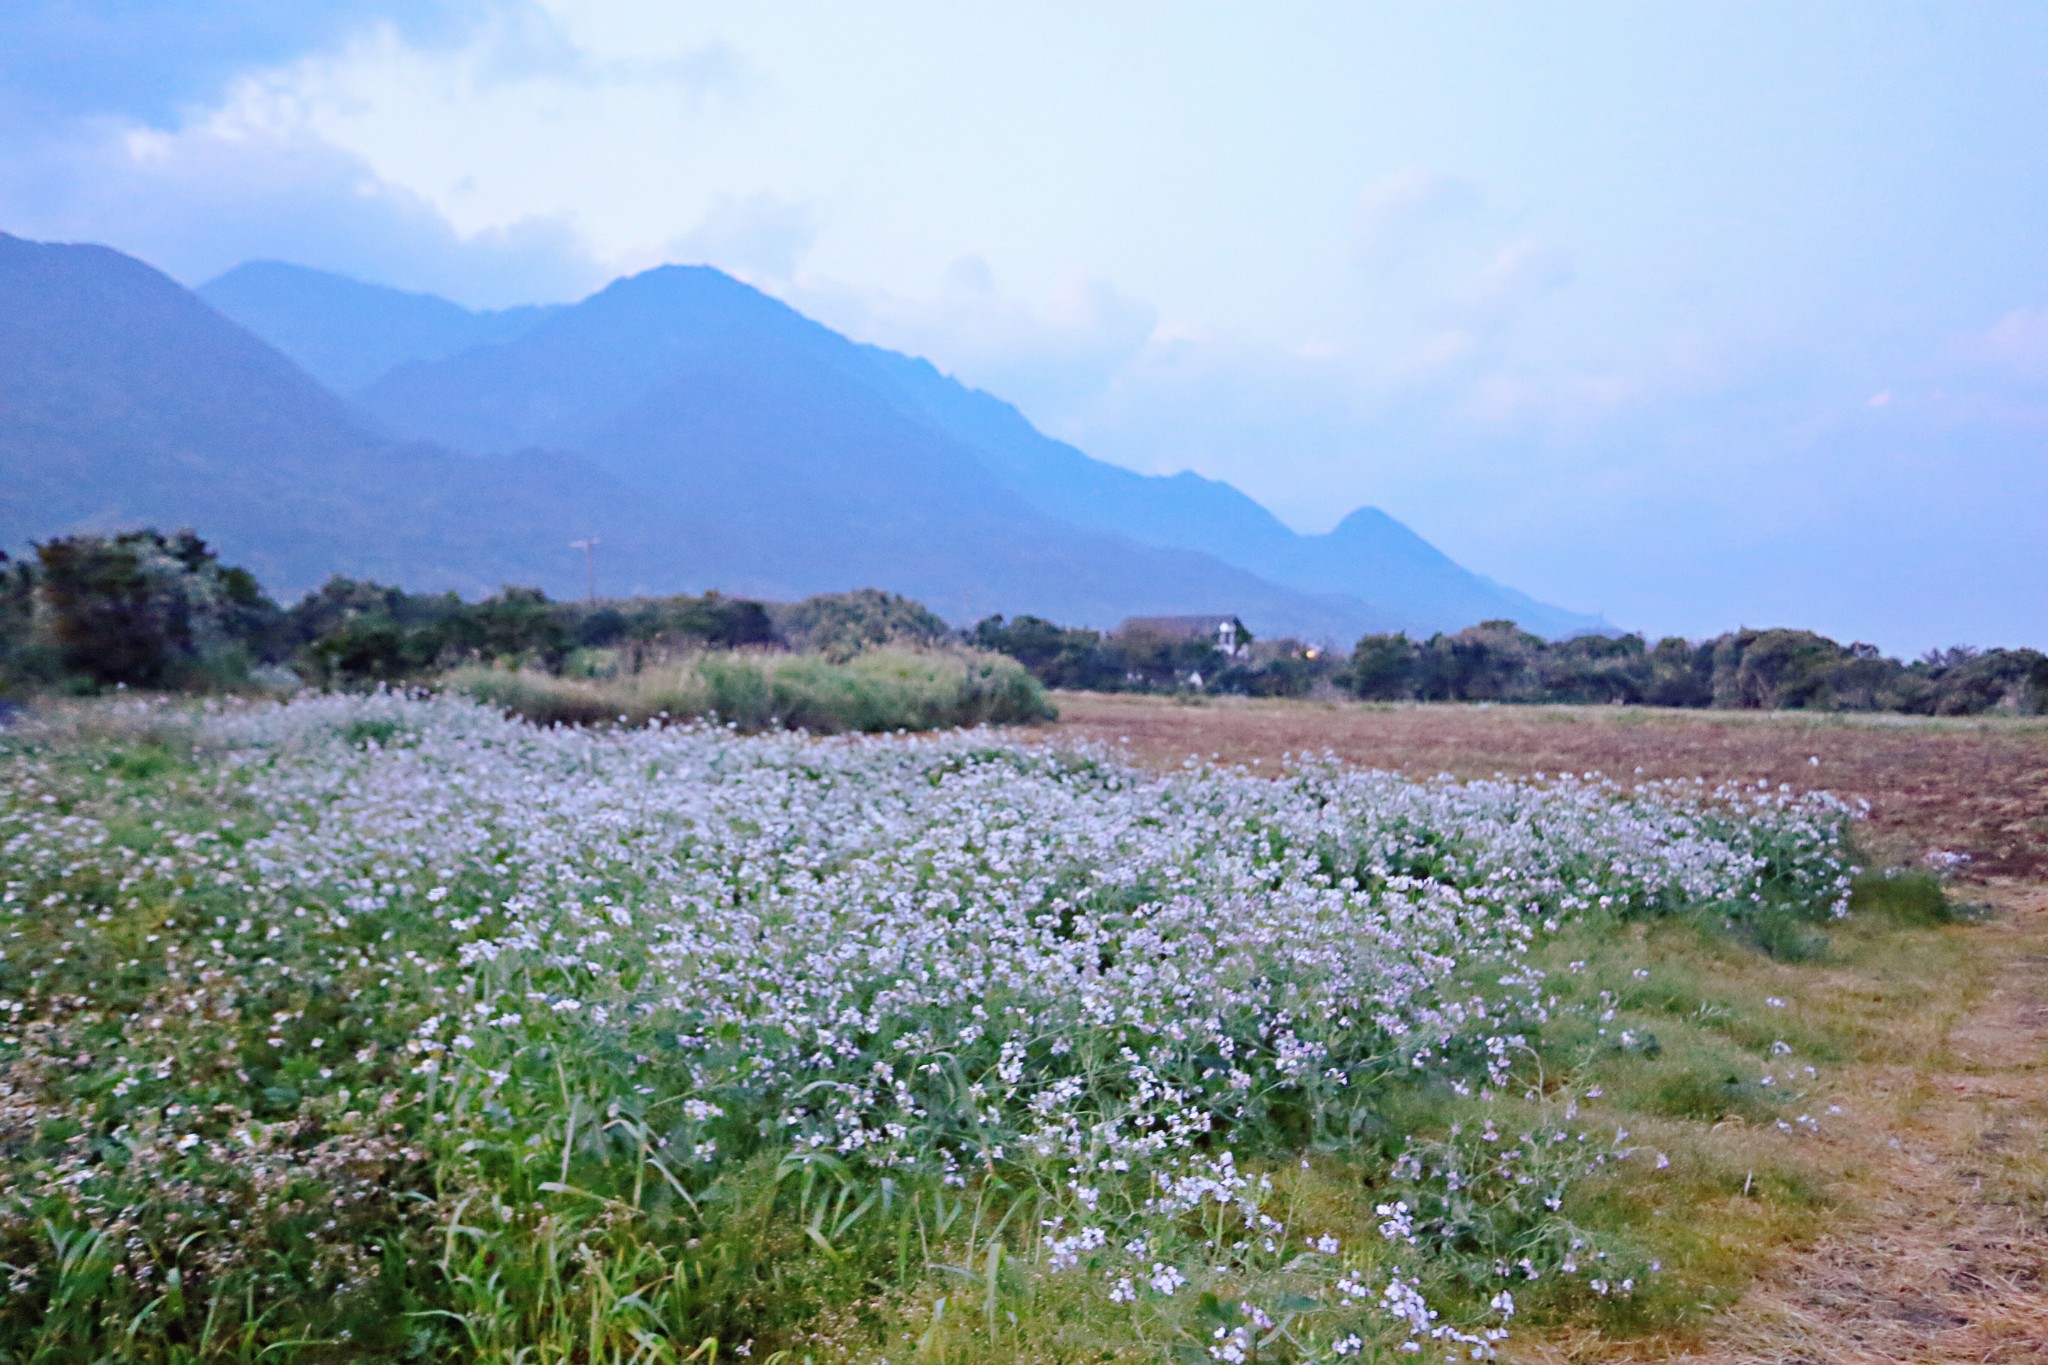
{"x":345,"y":333}
{"x":707,"y":434}
{"x":570,"y":378}
{"x":125,"y":400}
{"x":1367,"y":554}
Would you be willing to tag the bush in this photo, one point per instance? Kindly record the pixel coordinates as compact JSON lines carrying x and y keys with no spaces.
{"x":1057,"y":656}
{"x":354,"y":634}
{"x":1382,"y":668}
{"x":878,"y":690}
{"x":139,"y":610}
{"x":842,"y":624}
{"x":648,"y":624}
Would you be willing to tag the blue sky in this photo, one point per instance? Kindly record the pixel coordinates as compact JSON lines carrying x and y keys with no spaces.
{"x":1697,"y":315}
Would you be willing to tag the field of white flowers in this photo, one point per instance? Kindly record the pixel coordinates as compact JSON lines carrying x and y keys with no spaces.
{"x":389,"y":1028}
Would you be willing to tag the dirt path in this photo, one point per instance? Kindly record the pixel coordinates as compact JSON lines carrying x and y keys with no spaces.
{"x":1945,"y":1254}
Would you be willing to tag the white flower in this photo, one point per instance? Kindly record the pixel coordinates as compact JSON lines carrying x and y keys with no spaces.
{"x":1165,"y":1278}
{"x":875,"y":940}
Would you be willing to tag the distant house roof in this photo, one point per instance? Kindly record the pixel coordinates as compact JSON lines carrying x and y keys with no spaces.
{"x":1178,"y":627}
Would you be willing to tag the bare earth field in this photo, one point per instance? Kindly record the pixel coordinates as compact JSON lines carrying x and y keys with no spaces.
{"x":1933,"y":1243}
{"x":1976,"y":786}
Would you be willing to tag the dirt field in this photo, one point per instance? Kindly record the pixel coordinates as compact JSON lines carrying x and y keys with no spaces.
{"x":1966,"y":786}
{"x":1938,"y":1249}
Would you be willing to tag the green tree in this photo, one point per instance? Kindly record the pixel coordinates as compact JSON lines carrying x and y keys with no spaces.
{"x":1383,"y":668}
{"x":147,"y":610}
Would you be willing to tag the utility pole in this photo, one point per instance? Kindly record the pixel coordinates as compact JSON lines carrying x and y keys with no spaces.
{"x":589,"y":547}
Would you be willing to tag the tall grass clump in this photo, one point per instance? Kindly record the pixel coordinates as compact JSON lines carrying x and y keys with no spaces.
{"x":387,"y":1028}
{"x":873,"y":691}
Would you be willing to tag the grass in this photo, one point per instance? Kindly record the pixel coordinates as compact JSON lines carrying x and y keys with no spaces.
{"x":342,"y":1199}
{"x":877,"y":690}
{"x":1752,"y":1185}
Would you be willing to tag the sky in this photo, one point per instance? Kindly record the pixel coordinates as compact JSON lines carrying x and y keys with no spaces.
{"x":1698,"y":316}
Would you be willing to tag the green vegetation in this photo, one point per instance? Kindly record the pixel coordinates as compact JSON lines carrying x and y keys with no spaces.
{"x":1498,"y":662}
{"x":844,"y":623}
{"x":1139,"y":661}
{"x":1744,"y":669}
{"x":376,"y":1029}
{"x":137,"y":610}
{"x":151,"y":612}
{"x":876,"y":689}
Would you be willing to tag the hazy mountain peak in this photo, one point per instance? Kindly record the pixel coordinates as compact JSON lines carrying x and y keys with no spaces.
{"x":125,"y":401}
{"x":347,"y":333}
{"x":1369,"y":525}
{"x":684,"y":377}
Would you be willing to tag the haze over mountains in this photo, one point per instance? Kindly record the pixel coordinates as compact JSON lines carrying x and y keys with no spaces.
{"x":708,"y":434}
{"x":573,"y":384}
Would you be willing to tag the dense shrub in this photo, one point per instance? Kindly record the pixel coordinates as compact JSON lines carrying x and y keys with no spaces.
{"x":876,"y":690}
{"x":648,"y":625}
{"x":23,"y":657}
{"x":1057,"y":656}
{"x":843,"y":623}
{"x":351,"y":632}
{"x":140,"y":610}
{"x":1497,"y":661}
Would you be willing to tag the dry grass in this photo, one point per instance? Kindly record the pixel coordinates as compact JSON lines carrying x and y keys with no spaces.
{"x":1942,"y":1250}
{"x":1924,"y":1232}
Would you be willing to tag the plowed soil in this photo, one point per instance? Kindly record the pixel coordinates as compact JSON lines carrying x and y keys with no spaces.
{"x":1977,"y":787}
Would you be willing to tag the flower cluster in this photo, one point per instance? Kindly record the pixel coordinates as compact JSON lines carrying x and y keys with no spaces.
{"x":928,"y":956}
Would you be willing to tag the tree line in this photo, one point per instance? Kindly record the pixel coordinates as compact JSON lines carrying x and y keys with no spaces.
{"x":149,"y":610}
{"x":1739,"y":670}
{"x":1150,"y":661}
{"x":1497,"y":661}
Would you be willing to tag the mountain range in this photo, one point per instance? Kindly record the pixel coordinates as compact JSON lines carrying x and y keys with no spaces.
{"x":707,"y":434}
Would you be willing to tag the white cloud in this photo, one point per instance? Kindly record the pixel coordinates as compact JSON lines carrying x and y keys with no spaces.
{"x":1520,"y":270}
{"x":2016,"y":345}
{"x":1052,"y":357}
{"x":760,"y":238}
{"x":1402,"y":214}
{"x":199,"y":201}
{"x":1169,"y":268}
